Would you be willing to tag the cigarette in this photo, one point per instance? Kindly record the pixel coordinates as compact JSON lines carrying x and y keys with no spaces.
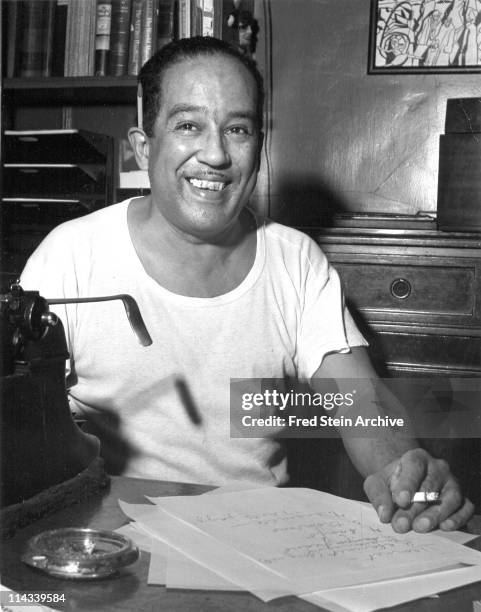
{"x":425,"y":496}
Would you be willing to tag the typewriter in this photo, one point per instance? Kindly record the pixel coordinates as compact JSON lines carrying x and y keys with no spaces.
{"x":47,"y":461}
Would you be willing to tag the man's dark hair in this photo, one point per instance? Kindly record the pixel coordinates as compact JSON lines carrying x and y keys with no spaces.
{"x":151,"y":74}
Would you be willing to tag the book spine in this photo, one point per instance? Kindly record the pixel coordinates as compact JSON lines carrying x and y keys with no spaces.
{"x":102,"y":36}
{"x":196,"y":17}
{"x":79,"y":38}
{"x":208,"y":18}
{"x":72,"y":38}
{"x":147,"y":31}
{"x":119,"y":37}
{"x":135,"y":35}
{"x":184,"y":18}
{"x":217,"y":25}
{"x":59,"y":38}
{"x":165,"y":23}
{"x":32,"y":51}
{"x":11,"y":30}
{"x":68,"y":34}
{"x":91,"y":35}
{"x":155,"y":25}
{"x":48,"y":31}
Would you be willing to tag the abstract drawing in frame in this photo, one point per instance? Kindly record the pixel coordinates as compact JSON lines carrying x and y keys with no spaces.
{"x":425,"y":36}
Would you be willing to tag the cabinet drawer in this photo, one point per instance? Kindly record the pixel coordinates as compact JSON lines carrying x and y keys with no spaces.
{"x":429,"y":352}
{"x":409,"y":288}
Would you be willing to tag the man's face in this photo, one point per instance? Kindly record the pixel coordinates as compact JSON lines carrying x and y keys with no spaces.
{"x":203,"y":157}
{"x":245,"y":35}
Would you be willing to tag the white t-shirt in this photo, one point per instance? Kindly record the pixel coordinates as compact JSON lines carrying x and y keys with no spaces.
{"x":280,"y":321}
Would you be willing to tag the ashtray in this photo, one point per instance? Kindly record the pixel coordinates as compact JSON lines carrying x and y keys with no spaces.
{"x":80,"y":553}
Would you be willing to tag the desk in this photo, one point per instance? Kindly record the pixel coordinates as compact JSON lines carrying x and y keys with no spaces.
{"x":129,"y":592}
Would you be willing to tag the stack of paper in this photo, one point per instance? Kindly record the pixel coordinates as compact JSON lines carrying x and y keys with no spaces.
{"x":274,"y":542}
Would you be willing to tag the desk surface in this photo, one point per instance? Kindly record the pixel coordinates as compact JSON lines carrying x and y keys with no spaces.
{"x":129,"y":592}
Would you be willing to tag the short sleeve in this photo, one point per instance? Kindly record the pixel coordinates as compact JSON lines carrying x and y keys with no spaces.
{"x":326,"y":324}
{"x":51,"y":272}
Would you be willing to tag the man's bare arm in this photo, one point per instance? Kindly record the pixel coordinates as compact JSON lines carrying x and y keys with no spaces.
{"x":392,"y":462}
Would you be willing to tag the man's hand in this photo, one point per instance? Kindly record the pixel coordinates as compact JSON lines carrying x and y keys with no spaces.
{"x":391,"y":489}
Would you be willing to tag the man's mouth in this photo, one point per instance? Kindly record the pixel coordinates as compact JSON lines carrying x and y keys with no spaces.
{"x":207,"y":185}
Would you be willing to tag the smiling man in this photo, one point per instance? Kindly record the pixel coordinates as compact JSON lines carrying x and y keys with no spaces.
{"x":201,"y":147}
{"x":224,"y":293}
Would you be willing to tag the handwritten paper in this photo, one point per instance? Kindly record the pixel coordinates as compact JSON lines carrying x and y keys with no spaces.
{"x":199,"y":547}
{"x":370,"y":597}
{"x":316,"y":540}
{"x":312,"y":541}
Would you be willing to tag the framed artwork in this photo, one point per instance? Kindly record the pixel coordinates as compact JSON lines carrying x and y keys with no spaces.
{"x":425,"y":36}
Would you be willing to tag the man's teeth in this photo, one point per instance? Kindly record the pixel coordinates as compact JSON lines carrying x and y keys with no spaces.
{"x":210,"y":185}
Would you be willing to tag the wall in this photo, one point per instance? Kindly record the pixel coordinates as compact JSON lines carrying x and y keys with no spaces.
{"x":341,"y":139}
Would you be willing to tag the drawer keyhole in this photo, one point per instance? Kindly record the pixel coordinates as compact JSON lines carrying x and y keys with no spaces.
{"x":401,"y":288}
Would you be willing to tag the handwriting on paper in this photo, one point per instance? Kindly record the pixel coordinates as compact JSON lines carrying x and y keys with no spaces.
{"x":326,"y":534}
{"x":314,"y":539}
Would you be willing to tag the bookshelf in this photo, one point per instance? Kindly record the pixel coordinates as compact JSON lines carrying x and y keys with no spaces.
{"x":70,"y":90}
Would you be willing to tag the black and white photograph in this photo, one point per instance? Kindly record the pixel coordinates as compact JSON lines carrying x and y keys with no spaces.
{"x":240,"y":306}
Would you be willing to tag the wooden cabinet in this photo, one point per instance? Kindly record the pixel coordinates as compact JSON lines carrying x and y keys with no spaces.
{"x":416,"y":295}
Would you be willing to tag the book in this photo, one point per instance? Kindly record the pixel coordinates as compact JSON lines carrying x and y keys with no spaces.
{"x":90,"y":37}
{"x":165,"y":23}
{"x":102,"y":36}
{"x":10,"y":36}
{"x":35,"y":38}
{"x":31,"y":39}
{"x":183,"y":19}
{"x":71,"y":37}
{"x":217,"y":19}
{"x":47,"y":34}
{"x":208,"y":18}
{"x":85,"y":58}
{"x":135,"y":35}
{"x":80,"y":38}
{"x":147,"y":30}
{"x":59,"y":38}
{"x":196,"y":13}
{"x":119,"y":37}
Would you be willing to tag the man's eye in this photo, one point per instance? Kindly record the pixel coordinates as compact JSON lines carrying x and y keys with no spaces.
{"x":238,"y":130}
{"x":186,"y":127}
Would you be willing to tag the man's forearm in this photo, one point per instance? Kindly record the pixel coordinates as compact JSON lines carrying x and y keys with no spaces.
{"x":370,"y":446}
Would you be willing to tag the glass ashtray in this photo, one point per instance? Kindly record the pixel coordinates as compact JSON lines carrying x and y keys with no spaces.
{"x":80,"y":553}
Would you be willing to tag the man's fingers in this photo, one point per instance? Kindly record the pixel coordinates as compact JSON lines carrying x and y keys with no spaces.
{"x":459,"y":518}
{"x":379,"y":495}
{"x":391,"y":492}
{"x":412,"y":469}
{"x":452,"y":511}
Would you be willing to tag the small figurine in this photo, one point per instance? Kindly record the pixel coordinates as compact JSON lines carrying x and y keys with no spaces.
{"x":243,"y":23}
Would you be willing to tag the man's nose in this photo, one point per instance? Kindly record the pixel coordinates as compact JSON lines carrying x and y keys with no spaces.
{"x":213,"y":150}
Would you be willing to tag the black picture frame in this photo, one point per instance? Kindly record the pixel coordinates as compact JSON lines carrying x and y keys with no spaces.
{"x":424,"y":37}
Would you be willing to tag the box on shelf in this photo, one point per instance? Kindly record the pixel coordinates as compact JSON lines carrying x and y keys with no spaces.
{"x":459,"y":182}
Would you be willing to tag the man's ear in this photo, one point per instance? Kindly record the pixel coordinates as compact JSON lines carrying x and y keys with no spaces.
{"x":140,"y":144}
